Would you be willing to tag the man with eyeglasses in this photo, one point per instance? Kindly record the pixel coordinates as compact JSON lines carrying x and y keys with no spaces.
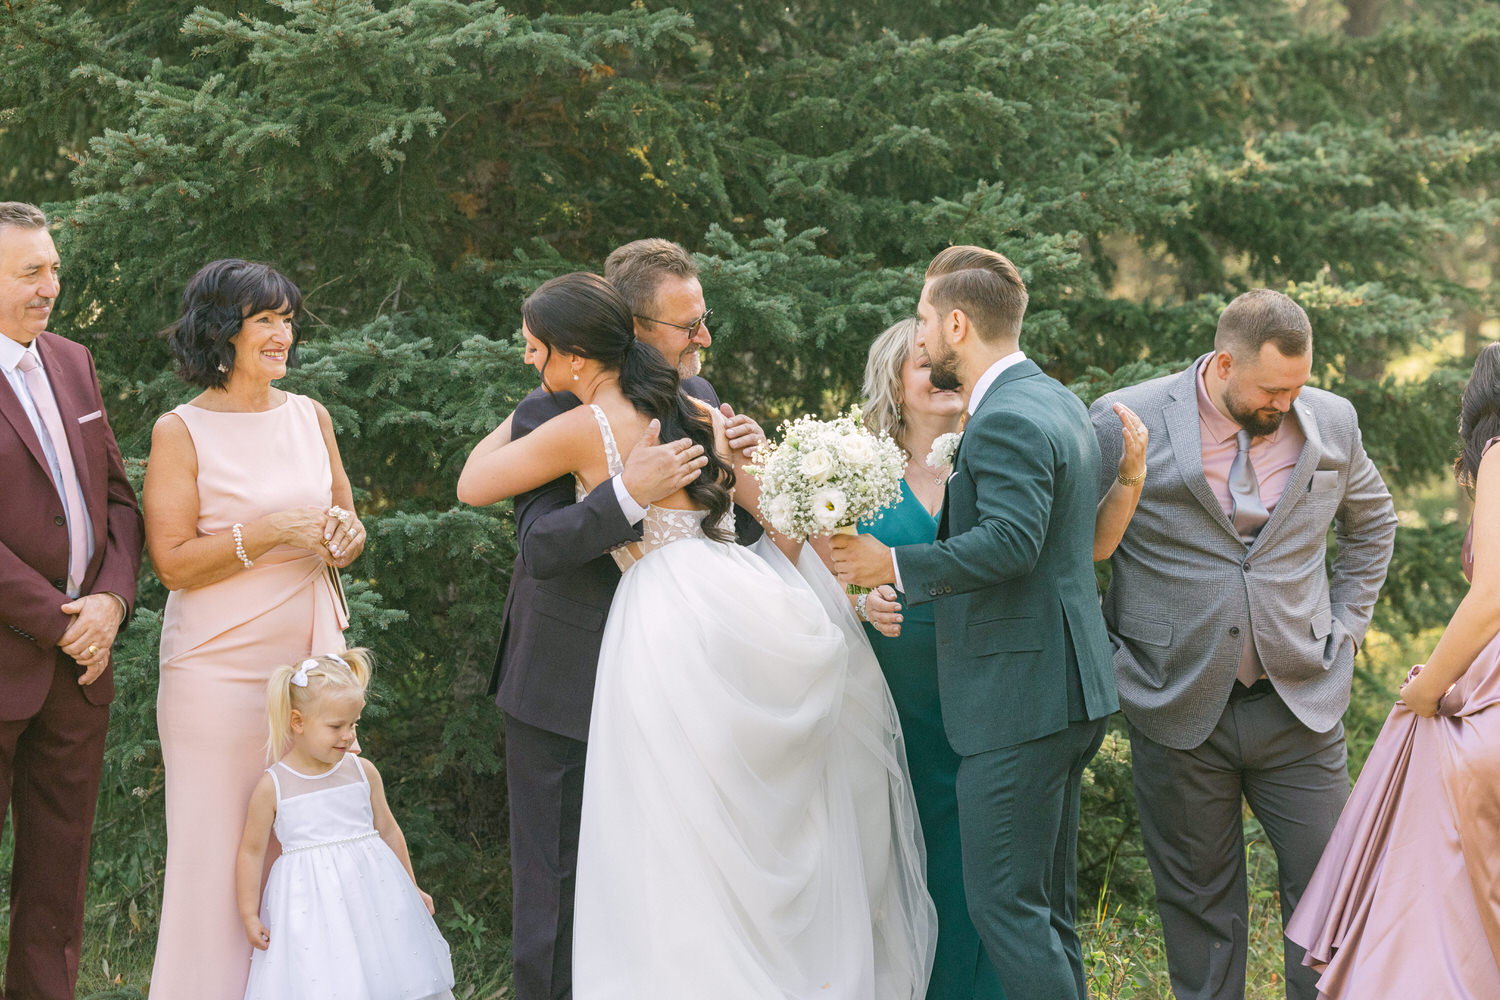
{"x":561,"y":588}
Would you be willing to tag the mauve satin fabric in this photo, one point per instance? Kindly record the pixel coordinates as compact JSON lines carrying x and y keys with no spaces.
{"x":1406,"y":901}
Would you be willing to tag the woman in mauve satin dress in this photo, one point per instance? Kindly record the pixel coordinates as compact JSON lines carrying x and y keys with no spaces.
{"x":247,"y":506}
{"x":1406,"y":900}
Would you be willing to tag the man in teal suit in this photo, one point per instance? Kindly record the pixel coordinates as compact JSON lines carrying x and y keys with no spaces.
{"x":1025,"y":673}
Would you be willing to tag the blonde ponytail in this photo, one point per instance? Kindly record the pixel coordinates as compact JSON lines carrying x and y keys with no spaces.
{"x":299,"y":686}
{"x":279,"y":711}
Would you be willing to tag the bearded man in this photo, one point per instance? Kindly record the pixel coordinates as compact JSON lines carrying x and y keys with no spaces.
{"x":1233,"y":640}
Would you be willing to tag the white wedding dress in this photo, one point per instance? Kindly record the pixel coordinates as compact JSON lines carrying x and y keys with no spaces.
{"x":748,"y":827}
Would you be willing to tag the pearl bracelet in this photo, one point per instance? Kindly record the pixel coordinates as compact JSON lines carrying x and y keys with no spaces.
{"x":239,"y":545}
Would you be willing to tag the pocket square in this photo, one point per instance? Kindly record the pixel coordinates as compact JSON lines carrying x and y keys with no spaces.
{"x":90,"y":416}
{"x":1323,"y":479}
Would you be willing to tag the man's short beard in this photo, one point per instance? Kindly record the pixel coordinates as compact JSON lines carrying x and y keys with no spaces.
{"x":1252,"y":421}
{"x":689,"y":363}
{"x":944,"y":371}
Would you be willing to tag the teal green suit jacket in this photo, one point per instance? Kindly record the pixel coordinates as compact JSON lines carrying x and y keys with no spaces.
{"x":1012,"y":571}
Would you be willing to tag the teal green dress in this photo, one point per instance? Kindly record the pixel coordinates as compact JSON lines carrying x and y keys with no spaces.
{"x":961,"y":969}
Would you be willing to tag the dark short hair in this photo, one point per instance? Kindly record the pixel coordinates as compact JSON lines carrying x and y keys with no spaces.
{"x":214,"y":306}
{"x":1261,"y":316}
{"x":637,"y":269}
{"x":982,"y":284}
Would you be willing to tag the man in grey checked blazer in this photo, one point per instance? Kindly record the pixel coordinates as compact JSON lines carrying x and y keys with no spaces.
{"x":1234,"y":646}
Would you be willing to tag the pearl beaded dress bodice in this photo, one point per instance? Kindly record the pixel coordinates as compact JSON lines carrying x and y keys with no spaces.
{"x":662,"y":525}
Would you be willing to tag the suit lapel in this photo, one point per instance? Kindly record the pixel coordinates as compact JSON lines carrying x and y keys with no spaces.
{"x":11,"y":408}
{"x":1186,"y":434}
{"x":1019,"y":370}
{"x":65,"y":390}
{"x":1296,"y":484}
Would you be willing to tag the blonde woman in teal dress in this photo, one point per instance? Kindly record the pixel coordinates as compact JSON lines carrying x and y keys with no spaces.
{"x":901,"y":400}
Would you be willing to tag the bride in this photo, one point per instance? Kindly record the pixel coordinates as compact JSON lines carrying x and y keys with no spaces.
{"x":748,"y":830}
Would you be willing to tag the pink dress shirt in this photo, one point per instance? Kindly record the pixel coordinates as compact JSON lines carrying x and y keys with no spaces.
{"x":1273,"y":456}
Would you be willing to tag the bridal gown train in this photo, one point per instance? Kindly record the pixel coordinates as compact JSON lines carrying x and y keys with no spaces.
{"x":748,"y":830}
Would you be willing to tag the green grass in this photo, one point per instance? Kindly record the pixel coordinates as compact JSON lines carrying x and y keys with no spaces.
{"x":1122,"y":945}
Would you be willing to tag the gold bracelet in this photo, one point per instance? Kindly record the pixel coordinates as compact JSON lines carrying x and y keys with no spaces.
{"x":1131,"y":481}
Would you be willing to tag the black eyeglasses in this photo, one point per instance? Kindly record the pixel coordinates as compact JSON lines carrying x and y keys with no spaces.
{"x":691,"y":328}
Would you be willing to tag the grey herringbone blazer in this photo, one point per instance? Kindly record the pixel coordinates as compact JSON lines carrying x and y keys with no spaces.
{"x":1185,"y":589}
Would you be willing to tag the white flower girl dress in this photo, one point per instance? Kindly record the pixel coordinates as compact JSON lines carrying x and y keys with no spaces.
{"x":345,"y":920}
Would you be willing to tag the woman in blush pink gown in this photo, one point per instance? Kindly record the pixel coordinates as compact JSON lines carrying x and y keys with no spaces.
{"x":247,"y":506}
{"x":1406,"y":901}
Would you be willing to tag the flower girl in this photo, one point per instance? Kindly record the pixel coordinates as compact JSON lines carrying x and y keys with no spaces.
{"x":342,"y":917}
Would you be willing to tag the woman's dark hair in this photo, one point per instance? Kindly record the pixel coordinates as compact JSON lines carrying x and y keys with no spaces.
{"x":214,"y":306}
{"x":1478,"y":415}
{"x":582,"y":314}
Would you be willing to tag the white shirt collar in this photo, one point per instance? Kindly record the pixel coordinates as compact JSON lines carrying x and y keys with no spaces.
{"x":12,"y":352}
{"x":988,"y":378}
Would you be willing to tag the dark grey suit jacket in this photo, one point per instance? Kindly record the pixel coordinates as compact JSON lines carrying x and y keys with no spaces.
{"x":1185,"y":588}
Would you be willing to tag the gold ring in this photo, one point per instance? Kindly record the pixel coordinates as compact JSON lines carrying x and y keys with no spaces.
{"x":92,"y":650}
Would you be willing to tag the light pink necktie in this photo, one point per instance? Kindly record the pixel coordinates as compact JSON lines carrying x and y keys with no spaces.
{"x":46,"y":408}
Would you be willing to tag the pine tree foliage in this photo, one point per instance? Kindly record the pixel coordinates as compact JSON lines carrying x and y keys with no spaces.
{"x":419,"y":166}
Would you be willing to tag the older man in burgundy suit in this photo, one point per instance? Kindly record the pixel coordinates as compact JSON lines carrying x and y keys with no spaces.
{"x":70,"y":549}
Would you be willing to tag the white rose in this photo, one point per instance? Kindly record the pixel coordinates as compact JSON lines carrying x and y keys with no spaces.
{"x":828,"y":507}
{"x":857,"y":450}
{"x":780,"y":511}
{"x":817,"y":465}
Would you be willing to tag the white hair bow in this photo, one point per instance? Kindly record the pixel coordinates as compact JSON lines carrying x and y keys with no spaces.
{"x":299,"y":677}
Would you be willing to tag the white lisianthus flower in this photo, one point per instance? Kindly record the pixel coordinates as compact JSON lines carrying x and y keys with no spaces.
{"x":817,"y":465}
{"x":780,"y":511}
{"x":829,"y":507}
{"x":944,"y":450}
{"x":857,"y":449}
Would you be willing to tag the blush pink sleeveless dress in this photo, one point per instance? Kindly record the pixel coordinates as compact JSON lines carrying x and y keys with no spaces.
{"x":1405,"y":903}
{"x":219,"y":644}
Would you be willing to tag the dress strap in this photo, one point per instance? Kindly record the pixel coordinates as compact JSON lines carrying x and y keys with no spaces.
{"x":611,"y":451}
{"x":1487,"y":446}
{"x":363,"y":777}
{"x":275,"y":781}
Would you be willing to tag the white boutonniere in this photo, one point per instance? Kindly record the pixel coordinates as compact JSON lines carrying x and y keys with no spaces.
{"x":944,"y":450}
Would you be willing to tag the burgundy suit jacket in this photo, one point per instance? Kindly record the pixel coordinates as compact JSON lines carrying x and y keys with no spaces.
{"x":34,"y":532}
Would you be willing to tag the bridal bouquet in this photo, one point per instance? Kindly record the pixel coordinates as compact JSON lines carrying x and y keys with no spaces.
{"x":826,"y":475}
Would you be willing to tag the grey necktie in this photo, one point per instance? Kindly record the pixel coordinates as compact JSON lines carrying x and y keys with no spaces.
{"x":1248,"y":513}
